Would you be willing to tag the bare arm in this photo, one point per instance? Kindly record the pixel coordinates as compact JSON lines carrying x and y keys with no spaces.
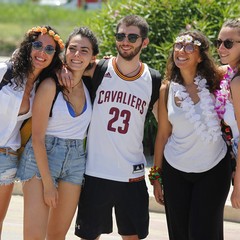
{"x":65,"y":76}
{"x":163,"y":133}
{"x":41,"y":109}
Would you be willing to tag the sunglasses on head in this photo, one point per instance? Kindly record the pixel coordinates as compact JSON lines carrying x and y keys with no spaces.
{"x":188,"y":48}
{"x":49,"y":49}
{"x":228,"y":44}
{"x":132,"y":37}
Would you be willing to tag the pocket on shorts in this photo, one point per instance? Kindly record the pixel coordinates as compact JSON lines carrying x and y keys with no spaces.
{"x":50,"y":144}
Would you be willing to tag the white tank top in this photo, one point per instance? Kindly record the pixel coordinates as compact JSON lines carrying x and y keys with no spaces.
{"x":63,"y":125}
{"x":185,"y":150}
{"x":114,"y":146}
{"x":229,"y":118}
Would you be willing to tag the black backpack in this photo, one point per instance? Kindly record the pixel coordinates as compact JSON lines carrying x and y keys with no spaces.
{"x":101,"y":68}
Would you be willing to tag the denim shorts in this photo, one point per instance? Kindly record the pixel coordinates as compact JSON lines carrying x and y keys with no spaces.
{"x":66,"y":160}
{"x":8,"y":167}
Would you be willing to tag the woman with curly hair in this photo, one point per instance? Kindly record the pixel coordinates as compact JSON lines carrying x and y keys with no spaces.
{"x":53,"y":162}
{"x":36,"y":58}
{"x":192,"y":169}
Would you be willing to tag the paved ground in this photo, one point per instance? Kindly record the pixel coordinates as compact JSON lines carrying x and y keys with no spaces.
{"x":12,"y":229}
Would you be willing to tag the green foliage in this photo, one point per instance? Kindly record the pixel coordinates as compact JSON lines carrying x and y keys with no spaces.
{"x":166,"y":19}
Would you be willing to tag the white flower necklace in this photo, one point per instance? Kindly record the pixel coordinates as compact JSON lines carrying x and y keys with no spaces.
{"x":208,"y":128}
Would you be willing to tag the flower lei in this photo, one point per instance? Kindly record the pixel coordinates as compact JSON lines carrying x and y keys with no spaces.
{"x":208,"y":128}
{"x":187,"y":39}
{"x":51,"y":33}
{"x":222,"y":95}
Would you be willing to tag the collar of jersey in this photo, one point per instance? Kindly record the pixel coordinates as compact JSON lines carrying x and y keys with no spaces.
{"x":125,"y":77}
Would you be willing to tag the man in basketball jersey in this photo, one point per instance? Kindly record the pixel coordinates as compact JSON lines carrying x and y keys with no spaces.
{"x":116,"y":163}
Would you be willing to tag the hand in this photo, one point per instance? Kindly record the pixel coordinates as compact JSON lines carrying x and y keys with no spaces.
{"x":158,"y":192}
{"x":107,"y":57}
{"x":65,"y":77}
{"x":51,"y":196}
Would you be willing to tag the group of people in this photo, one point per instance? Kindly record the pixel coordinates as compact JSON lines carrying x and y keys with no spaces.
{"x":87,"y":152}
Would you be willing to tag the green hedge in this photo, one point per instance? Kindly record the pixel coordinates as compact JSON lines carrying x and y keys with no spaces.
{"x":166,"y":19}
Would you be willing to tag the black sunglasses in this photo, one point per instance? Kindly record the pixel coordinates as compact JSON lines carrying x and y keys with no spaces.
{"x":49,"y":49}
{"x":132,"y":37}
{"x":188,"y":48}
{"x":228,"y":44}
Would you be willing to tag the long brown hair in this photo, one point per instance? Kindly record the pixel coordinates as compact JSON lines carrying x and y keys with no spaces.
{"x":206,"y":68}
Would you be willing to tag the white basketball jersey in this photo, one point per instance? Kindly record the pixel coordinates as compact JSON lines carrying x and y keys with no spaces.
{"x":114,"y":147}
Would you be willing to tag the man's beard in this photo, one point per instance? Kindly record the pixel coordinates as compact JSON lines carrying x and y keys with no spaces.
{"x":127,"y":56}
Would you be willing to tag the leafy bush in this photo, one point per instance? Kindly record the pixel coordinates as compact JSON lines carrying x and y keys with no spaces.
{"x":166,"y":19}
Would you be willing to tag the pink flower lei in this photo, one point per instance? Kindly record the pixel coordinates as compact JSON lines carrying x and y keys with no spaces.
{"x":222,"y":95}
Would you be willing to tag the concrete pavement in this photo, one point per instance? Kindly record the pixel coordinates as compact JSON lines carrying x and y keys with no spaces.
{"x":13,"y":225}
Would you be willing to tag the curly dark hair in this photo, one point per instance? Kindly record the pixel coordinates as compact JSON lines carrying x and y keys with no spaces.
{"x":206,"y":68}
{"x":22,"y":61}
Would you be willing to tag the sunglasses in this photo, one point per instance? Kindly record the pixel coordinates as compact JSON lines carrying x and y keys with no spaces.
{"x":228,"y":44}
{"x":49,"y":49}
{"x":188,"y":48}
{"x":132,"y":37}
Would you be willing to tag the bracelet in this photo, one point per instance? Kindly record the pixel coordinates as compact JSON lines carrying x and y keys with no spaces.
{"x":155,"y":174}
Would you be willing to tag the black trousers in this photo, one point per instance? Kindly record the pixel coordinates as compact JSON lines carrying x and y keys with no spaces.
{"x":195,"y":201}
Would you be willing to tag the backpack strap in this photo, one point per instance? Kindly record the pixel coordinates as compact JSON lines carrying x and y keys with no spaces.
{"x":156,"y":83}
{"x":98,"y":75}
{"x":7,"y":76}
{"x":58,"y":89}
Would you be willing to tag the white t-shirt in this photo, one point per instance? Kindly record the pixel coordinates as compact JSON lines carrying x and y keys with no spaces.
{"x":10,"y":102}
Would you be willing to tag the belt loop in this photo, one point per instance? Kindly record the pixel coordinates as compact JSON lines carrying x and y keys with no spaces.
{"x":7,"y":151}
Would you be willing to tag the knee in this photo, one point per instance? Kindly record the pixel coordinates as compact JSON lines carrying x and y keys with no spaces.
{"x":33,"y":234}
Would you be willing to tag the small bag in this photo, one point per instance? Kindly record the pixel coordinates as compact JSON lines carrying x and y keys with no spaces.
{"x":25,"y":131}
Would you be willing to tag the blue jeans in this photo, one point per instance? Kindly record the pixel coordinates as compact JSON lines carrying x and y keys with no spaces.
{"x":66,"y":160}
{"x":8,"y":166}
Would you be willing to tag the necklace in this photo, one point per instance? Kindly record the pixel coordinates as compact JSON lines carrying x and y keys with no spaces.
{"x":207,"y":127}
{"x":76,"y":84}
{"x":223,"y":94}
{"x":139,"y":65}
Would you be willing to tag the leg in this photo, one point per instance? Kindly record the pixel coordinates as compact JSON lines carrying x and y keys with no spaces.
{"x":5,"y":196}
{"x":95,"y":208}
{"x":132,"y":210}
{"x":209,"y":196}
{"x":177,"y":197}
{"x":35,"y":210}
{"x":133,"y":237}
{"x":61,"y":217}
